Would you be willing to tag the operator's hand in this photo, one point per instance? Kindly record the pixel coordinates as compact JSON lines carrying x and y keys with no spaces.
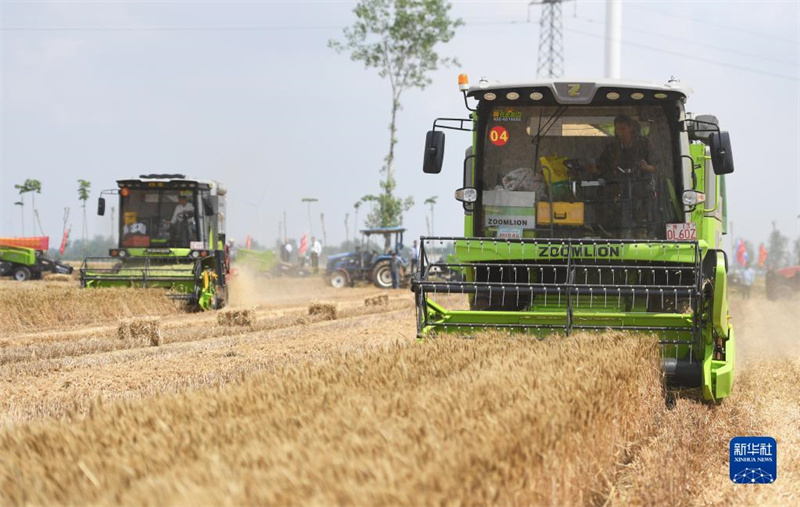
{"x":644,"y":166}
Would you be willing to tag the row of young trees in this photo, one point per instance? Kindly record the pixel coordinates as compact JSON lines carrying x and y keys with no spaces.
{"x":32,"y":187}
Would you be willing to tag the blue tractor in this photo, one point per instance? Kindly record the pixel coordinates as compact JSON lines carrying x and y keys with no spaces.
{"x":366,"y":264}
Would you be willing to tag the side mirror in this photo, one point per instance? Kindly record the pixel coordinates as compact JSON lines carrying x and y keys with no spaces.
{"x":434,"y":152}
{"x":721,"y":154}
{"x":101,"y":206}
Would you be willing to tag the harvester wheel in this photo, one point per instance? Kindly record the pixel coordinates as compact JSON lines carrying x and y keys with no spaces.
{"x":339,"y":279}
{"x":382,"y":275}
{"x":22,"y":274}
{"x":220,"y":298}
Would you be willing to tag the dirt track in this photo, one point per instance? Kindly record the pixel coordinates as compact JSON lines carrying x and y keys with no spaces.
{"x":66,"y":384}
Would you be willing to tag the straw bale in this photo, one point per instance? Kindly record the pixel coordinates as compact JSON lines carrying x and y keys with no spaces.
{"x":381,"y":300}
{"x":146,"y":331}
{"x":327,"y":311}
{"x":240,"y":317}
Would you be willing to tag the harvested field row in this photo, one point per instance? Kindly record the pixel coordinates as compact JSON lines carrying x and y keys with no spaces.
{"x":686,"y":460}
{"x":451,"y":421}
{"x":108,"y":339}
{"x":67,"y":386}
{"x":40,"y":306}
{"x":48,"y":306}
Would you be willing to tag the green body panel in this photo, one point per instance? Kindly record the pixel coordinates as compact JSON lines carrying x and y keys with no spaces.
{"x":722,"y":372}
{"x":720,"y":313}
{"x":18,"y":255}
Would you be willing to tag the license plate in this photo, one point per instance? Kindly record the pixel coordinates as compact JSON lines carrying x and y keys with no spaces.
{"x":681,"y":232}
{"x":509,"y":232}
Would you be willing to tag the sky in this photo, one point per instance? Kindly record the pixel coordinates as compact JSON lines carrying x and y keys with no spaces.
{"x":249,"y":93}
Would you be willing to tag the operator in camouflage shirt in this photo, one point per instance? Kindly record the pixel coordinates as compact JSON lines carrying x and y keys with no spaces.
{"x":625,"y":165}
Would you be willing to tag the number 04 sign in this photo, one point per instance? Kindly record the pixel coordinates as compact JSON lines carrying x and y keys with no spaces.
{"x":681,"y":232}
{"x":498,"y":136}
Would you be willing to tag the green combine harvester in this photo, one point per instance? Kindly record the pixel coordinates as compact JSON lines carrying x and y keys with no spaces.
{"x":23,"y":262}
{"x":589,"y":206}
{"x":172,"y":236}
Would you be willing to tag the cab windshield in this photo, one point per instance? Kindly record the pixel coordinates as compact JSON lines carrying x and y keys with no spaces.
{"x":578,"y":172}
{"x":158,"y":218}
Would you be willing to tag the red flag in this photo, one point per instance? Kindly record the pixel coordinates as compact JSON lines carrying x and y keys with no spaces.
{"x":303,"y":245}
{"x":741,"y":253}
{"x":64,"y":242}
{"x":247,"y":242}
{"x":762,"y":255}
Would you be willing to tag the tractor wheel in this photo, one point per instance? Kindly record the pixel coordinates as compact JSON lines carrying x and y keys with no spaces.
{"x":339,"y":279}
{"x":382,"y":275}
{"x":22,"y":274}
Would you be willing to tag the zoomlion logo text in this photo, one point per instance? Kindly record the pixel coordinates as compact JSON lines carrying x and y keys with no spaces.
{"x":506,"y":114}
{"x":580,"y":251}
{"x":507,"y":221}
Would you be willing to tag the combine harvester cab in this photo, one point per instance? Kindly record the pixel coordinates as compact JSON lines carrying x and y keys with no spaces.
{"x":172,"y":236}
{"x":588,"y":207}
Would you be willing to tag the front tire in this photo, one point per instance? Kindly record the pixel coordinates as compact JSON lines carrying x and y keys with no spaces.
{"x":22,"y":274}
{"x":339,"y":279}
{"x":382,"y":275}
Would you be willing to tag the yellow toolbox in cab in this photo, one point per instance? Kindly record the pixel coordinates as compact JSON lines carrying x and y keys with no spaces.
{"x":564,"y":213}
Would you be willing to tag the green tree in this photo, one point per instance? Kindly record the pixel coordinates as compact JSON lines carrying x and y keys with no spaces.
{"x":21,"y":214}
{"x":776,"y":249}
{"x":399,"y":38}
{"x":797,"y":251}
{"x":84,"y":188}
{"x":22,"y":189}
{"x":431,"y":201}
{"x":34,"y":187}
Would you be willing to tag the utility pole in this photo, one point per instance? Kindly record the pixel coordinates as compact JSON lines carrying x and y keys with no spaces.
{"x":112,"y":225}
{"x":309,"y":200}
{"x":551,"y":47}
{"x":613,"y":39}
{"x":324,"y":235}
{"x":346,"y":228}
{"x":285,"y":234}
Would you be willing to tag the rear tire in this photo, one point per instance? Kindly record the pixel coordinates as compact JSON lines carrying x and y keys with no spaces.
{"x":382,"y":275}
{"x":339,"y":279}
{"x":22,"y":274}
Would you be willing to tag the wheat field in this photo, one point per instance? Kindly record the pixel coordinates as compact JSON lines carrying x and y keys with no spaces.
{"x":295,"y":407}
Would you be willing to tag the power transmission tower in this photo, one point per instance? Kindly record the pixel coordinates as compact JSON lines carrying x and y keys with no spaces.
{"x":551,"y":47}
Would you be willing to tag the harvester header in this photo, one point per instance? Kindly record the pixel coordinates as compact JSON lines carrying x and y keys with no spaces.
{"x":588,"y":205}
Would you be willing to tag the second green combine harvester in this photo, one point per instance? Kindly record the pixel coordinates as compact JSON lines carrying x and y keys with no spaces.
{"x":171,"y":236}
{"x":589,"y":206}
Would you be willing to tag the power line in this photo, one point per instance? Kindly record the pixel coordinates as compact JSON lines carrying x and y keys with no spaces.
{"x":688,"y":56}
{"x":664,"y":51}
{"x":706,"y":22}
{"x":163,"y":28}
{"x":704,"y":45}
